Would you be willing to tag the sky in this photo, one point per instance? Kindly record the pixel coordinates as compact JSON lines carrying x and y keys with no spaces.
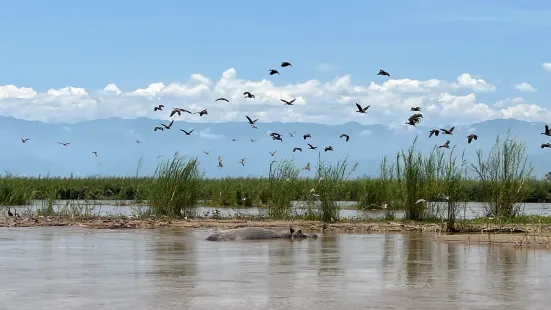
{"x":460,"y":61}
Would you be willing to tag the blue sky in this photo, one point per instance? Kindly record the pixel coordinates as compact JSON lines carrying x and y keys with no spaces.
{"x":73,"y":61}
{"x":54,"y":44}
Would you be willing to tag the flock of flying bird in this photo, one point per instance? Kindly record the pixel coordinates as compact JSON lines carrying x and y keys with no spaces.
{"x":413,"y":120}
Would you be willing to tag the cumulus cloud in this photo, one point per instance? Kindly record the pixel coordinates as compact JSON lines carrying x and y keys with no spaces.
{"x":365,"y":132}
{"x":524,"y":87}
{"x":208,"y":134}
{"x":329,"y":102}
{"x":546,"y":66}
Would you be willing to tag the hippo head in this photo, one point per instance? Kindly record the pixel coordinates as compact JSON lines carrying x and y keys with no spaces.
{"x":298,"y":234}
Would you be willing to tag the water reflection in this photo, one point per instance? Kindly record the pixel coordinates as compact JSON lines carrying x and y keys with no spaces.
{"x":71,"y":268}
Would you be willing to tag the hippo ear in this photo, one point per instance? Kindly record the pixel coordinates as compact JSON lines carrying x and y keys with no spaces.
{"x":299,"y":231}
{"x":291,"y":230}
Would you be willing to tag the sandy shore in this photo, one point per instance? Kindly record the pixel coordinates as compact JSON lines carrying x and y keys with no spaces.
{"x":514,"y":235}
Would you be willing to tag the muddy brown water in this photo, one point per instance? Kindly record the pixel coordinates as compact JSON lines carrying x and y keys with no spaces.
{"x":77,"y":268}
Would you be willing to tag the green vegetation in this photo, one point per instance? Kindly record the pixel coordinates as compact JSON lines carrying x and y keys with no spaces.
{"x":175,"y":187}
{"x":430,"y":186}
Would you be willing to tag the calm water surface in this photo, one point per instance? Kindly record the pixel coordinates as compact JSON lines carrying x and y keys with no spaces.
{"x":73,"y":268}
{"x":111,"y":207}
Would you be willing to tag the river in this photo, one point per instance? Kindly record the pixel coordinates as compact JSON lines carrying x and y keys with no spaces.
{"x":77,"y":268}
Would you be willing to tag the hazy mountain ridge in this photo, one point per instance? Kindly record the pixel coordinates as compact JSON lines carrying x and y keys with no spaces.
{"x":115,"y":141}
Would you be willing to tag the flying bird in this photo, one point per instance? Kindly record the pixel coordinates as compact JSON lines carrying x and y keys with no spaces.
{"x":286,"y":64}
{"x":328,"y":148}
{"x":471,"y":137}
{"x":158,"y":108}
{"x":307,"y":166}
{"x":250,"y":120}
{"x":310,"y":146}
{"x":445,"y":145}
{"x":158,"y":128}
{"x":345,"y":136}
{"x":178,"y":111}
{"x":297,"y":149}
{"x":447,"y":131}
{"x":416,"y":109}
{"x":64,"y":143}
{"x":24,"y":140}
{"x":202,"y":112}
{"x":360,"y":109}
{"x":547,"y":132}
{"x":292,"y":134}
{"x":187,"y":132}
{"x":414,"y":119}
{"x":138,"y":141}
{"x":288,"y":102}
{"x":222,"y":98}
{"x":273,"y":153}
{"x":307,"y":136}
{"x":242,"y":162}
{"x":273,"y":71}
{"x":248,"y":95}
{"x":383,"y":72}
{"x":544,"y":145}
{"x":169,"y":125}
{"x":208,"y":153}
{"x":95,"y":153}
{"x":253,"y":140}
{"x":435,"y":132}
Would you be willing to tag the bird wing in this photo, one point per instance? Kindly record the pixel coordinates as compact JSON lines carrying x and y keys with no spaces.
{"x":359,"y":107}
{"x":249,"y":119}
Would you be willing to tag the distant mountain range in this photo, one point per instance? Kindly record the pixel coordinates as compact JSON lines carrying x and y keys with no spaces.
{"x":114,"y":140}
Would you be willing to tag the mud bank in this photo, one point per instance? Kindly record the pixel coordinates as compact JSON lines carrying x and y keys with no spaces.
{"x":150,"y":223}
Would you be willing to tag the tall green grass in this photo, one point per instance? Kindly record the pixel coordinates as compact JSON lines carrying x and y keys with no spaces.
{"x":330,"y":183}
{"x":282,"y":184}
{"x":176,"y":187}
{"x":504,"y":176}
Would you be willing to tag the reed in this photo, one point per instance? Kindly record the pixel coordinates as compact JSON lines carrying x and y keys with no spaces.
{"x":329,"y":187}
{"x":176,"y":187}
{"x":282,"y":180}
{"x":504,"y":176}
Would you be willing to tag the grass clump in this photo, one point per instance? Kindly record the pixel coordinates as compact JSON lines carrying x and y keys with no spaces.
{"x":282,"y":184}
{"x":12,"y":193}
{"x":504,"y":175}
{"x":176,"y":187}
{"x":329,"y":186}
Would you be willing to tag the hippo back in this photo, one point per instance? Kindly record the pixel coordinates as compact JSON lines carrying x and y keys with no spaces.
{"x":246,"y":233}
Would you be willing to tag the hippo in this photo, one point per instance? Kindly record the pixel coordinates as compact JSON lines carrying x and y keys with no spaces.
{"x":258,"y":233}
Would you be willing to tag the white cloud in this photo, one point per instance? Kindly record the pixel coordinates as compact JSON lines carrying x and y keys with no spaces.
{"x":329,"y":102}
{"x":546,"y":66}
{"x":365,"y":132}
{"x":208,"y":134}
{"x":524,"y":87}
